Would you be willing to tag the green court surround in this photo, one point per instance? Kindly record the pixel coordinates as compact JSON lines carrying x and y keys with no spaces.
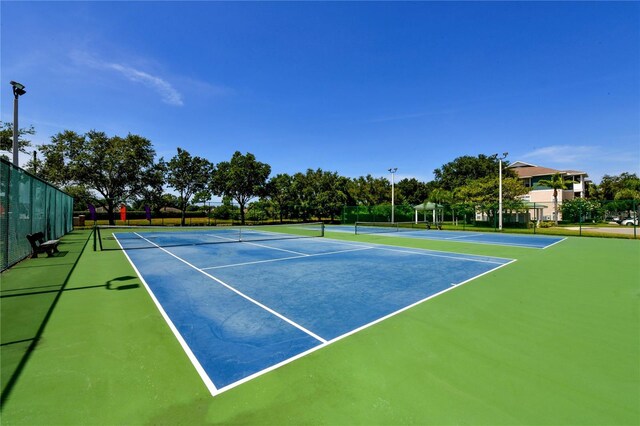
{"x":553,"y":338}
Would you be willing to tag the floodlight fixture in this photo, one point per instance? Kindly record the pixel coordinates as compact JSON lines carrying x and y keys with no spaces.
{"x":18,"y":89}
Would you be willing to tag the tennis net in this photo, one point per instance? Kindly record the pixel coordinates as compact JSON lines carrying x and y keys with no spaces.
{"x":383,"y":227}
{"x":108,"y":237}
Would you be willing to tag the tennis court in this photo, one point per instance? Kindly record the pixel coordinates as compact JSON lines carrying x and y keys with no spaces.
{"x":495,"y":238}
{"x":240,"y":310}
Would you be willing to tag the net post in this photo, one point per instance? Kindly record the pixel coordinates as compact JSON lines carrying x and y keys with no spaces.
{"x":322,"y":229}
{"x":99,"y":237}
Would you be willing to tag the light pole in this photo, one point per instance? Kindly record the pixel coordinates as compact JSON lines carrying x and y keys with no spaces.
{"x":18,"y":90}
{"x":504,"y":155}
{"x":392,"y":171}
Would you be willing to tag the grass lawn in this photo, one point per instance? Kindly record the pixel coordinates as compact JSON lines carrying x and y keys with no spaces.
{"x":553,"y":338}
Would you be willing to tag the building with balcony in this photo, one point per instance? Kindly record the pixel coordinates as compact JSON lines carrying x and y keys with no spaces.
{"x":540,"y":195}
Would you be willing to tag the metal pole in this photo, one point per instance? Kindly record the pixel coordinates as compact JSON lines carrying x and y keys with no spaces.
{"x":393,"y":204}
{"x":15,"y":130}
{"x":392,"y":171}
{"x":504,"y":155}
{"x":500,"y":197}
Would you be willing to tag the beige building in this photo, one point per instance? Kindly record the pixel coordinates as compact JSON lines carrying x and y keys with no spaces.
{"x":531,"y":175}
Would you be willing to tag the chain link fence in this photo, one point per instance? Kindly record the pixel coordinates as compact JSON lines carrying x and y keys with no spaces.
{"x":29,"y":205}
{"x":578,"y":216}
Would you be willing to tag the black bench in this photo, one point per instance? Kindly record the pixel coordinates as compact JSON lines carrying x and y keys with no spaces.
{"x":39,"y":245}
{"x":437,"y":225}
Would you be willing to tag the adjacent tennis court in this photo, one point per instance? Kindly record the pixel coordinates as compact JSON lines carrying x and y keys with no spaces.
{"x":240,"y":310}
{"x":385,"y":229}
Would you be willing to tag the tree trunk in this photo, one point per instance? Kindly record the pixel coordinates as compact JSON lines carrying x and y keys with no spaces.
{"x":110,"y":207}
{"x":555,"y":206}
{"x":241,"y":213}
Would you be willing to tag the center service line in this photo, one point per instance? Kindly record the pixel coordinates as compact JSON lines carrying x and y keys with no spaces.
{"x":239,"y":293}
{"x":284,"y":258}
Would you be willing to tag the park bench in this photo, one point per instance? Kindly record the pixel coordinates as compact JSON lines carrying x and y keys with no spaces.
{"x":39,"y":245}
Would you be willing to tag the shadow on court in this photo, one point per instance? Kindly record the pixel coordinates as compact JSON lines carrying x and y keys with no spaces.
{"x":29,"y":293}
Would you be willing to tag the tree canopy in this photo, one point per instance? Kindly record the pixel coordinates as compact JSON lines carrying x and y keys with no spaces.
{"x":110,"y":170}
{"x":462,"y":170}
{"x":188,"y":175}
{"x":115,"y":167}
{"x":6,"y":137}
{"x":623,"y":186}
{"x":242,"y":178}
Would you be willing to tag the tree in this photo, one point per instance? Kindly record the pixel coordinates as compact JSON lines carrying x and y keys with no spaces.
{"x":513,"y":189}
{"x":464,"y":169}
{"x":6,"y":137}
{"x":330,"y":196}
{"x":304,"y":196}
{"x":369,"y":191}
{"x":82,"y":197}
{"x":115,"y":167}
{"x":242,"y":178}
{"x":279,"y":192}
{"x":34,"y":166}
{"x":412,"y":191}
{"x":581,"y":209}
{"x":556,"y":183}
{"x":618,"y":187}
{"x":152,"y":194}
{"x":188,"y":175}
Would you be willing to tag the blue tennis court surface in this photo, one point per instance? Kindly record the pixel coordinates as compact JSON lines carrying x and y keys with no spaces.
{"x":242,"y":309}
{"x":496,"y":238}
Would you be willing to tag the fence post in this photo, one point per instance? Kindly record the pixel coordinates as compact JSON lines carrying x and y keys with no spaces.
{"x":580,"y":220}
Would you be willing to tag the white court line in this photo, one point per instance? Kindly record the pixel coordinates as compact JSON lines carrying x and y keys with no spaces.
{"x":421,"y":251}
{"x":335,"y":339}
{"x":456,"y":238}
{"x":285,"y":258}
{"x":470,"y":259}
{"x":257,"y":245}
{"x":557,"y":242}
{"x":413,"y":235}
{"x":201,"y":371}
{"x":274,"y":248}
{"x":215,"y":391}
{"x":239,"y":293}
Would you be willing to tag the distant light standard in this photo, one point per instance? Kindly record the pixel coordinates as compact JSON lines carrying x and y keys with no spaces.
{"x":18,"y":90}
{"x":504,"y":155}
{"x":392,"y":171}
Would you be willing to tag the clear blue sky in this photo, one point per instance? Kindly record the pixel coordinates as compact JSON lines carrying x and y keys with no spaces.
{"x":354,"y":88}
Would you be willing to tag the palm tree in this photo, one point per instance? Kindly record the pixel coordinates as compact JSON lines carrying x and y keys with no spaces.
{"x":556,"y":182}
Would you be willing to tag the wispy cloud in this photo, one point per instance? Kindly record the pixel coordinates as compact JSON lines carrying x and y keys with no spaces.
{"x":562,"y":154}
{"x":596,"y":160}
{"x":167,"y":92}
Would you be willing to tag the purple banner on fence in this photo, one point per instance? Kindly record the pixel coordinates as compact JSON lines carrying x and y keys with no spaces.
{"x":147,"y":211}
{"x":92,"y":212}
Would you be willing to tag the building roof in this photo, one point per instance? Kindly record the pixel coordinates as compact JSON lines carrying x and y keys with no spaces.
{"x":526,"y":170}
{"x":427,"y":206}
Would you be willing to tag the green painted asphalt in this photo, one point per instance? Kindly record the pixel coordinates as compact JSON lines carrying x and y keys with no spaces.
{"x":553,"y":338}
